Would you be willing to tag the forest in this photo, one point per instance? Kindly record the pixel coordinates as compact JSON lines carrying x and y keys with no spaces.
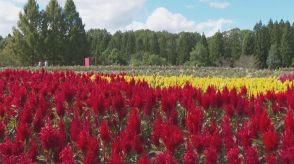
{"x":57,"y":34}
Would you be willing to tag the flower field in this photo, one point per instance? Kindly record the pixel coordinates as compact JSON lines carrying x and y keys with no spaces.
{"x":67,"y":117}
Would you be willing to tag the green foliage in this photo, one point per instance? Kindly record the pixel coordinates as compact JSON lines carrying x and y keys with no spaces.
{"x":76,"y":43}
{"x":287,"y":53}
{"x":186,"y":42}
{"x":26,"y":34}
{"x":8,"y":55}
{"x":248,"y":44}
{"x":98,"y":41}
{"x":216,"y":49}
{"x":262,"y":38}
{"x":55,"y":33}
{"x":274,"y":60}
{"x":199,"y":55}
{"x":112,"y":57}
{"x":155,"y":60}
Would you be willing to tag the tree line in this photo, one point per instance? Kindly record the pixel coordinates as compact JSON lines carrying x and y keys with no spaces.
{"x":57,"y":35}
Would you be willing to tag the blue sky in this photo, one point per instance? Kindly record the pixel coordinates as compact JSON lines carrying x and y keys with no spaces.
{"x":208,"y":16}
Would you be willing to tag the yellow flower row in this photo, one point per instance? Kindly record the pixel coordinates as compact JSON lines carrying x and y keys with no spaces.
{"x":253,"y":85}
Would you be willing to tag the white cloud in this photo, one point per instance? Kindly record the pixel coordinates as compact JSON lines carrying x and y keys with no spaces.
{"x":110,"y":14}
{"x":219,"y":5}
{"x":8,"y":16}
{"x":163,"y":19}
{"x":116,"y":14}
{"x":216,"y":4}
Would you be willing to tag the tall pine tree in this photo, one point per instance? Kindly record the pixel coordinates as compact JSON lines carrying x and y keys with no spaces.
{"x":262,"y":45}
{"x":216,"y":49}
{"x":54,"y":34}
{"x":75,"y":37}
{"x":26,"y":34}
{"x":286,"y":50}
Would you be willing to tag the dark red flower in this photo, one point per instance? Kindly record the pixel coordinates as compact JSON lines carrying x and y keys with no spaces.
{"x":144,"y":159}
{"x":66,"y":155}
{"x":50,"y":138}
{"x":270,"y":141}
{"x":165,"y":158}
{"x":233,"y":156}
{"x":190,"y":157}
{"x":105,"y":133}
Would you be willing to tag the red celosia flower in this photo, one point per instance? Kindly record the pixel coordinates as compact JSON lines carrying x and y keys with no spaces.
{"x":144,"y":159}
{"x":171,"y":136}
{"x":59,"y":103}
{"x":22,"y":132}
{"x":137,"y":144}
{"x":33,"y":152}
{"x":2,"y":129}
{"x":156,"y":131}
{"x":264,"y":122}
{"x":165,"y":158}
{"x":190,"y":157}
{"x":233,"y":156}
{"x":66,"y":155}
{"x":194,"y":121}
{"x":210,"y":155}
{"x":288,"y":139}
{"x":271,"y":159}
{"x":251,"y":156}
{"x":105,"y":134}
{"x":134,"y":123}
{"x":83,"y":140}
{"x":75,"y":128}
{"x":116,"y":159}
{"x":50,"y":138}
{"x":270,"y":140}
{"x":287,"y":155}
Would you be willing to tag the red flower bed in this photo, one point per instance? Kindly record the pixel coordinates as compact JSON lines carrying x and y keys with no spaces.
{"x":65,"y":117}
{"x":288,"y":77}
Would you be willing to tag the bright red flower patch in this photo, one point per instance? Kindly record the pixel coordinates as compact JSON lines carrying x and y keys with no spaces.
{"x":65,"y":117}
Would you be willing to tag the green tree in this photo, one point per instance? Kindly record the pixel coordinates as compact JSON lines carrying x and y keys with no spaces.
{"x":199,"y":55}
{"x":154,"y":45}
{"x":26,"y":34}
{"x":286,"y":50}
{"x":98,"y":41}
{"x":116,"y":41}
{"x":248,"y":44}
{"x":1,"y":43}
{"x":113,"y":56}
{"x":76,"y":44}
{"x":172,"y":50}
{"x":55,"y":33}
{"x":186,"y":41}
{"x":274,"y":59}
{"x":262,"y":45}
{"x":216,"y":49}
{"x":9,"y":55}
